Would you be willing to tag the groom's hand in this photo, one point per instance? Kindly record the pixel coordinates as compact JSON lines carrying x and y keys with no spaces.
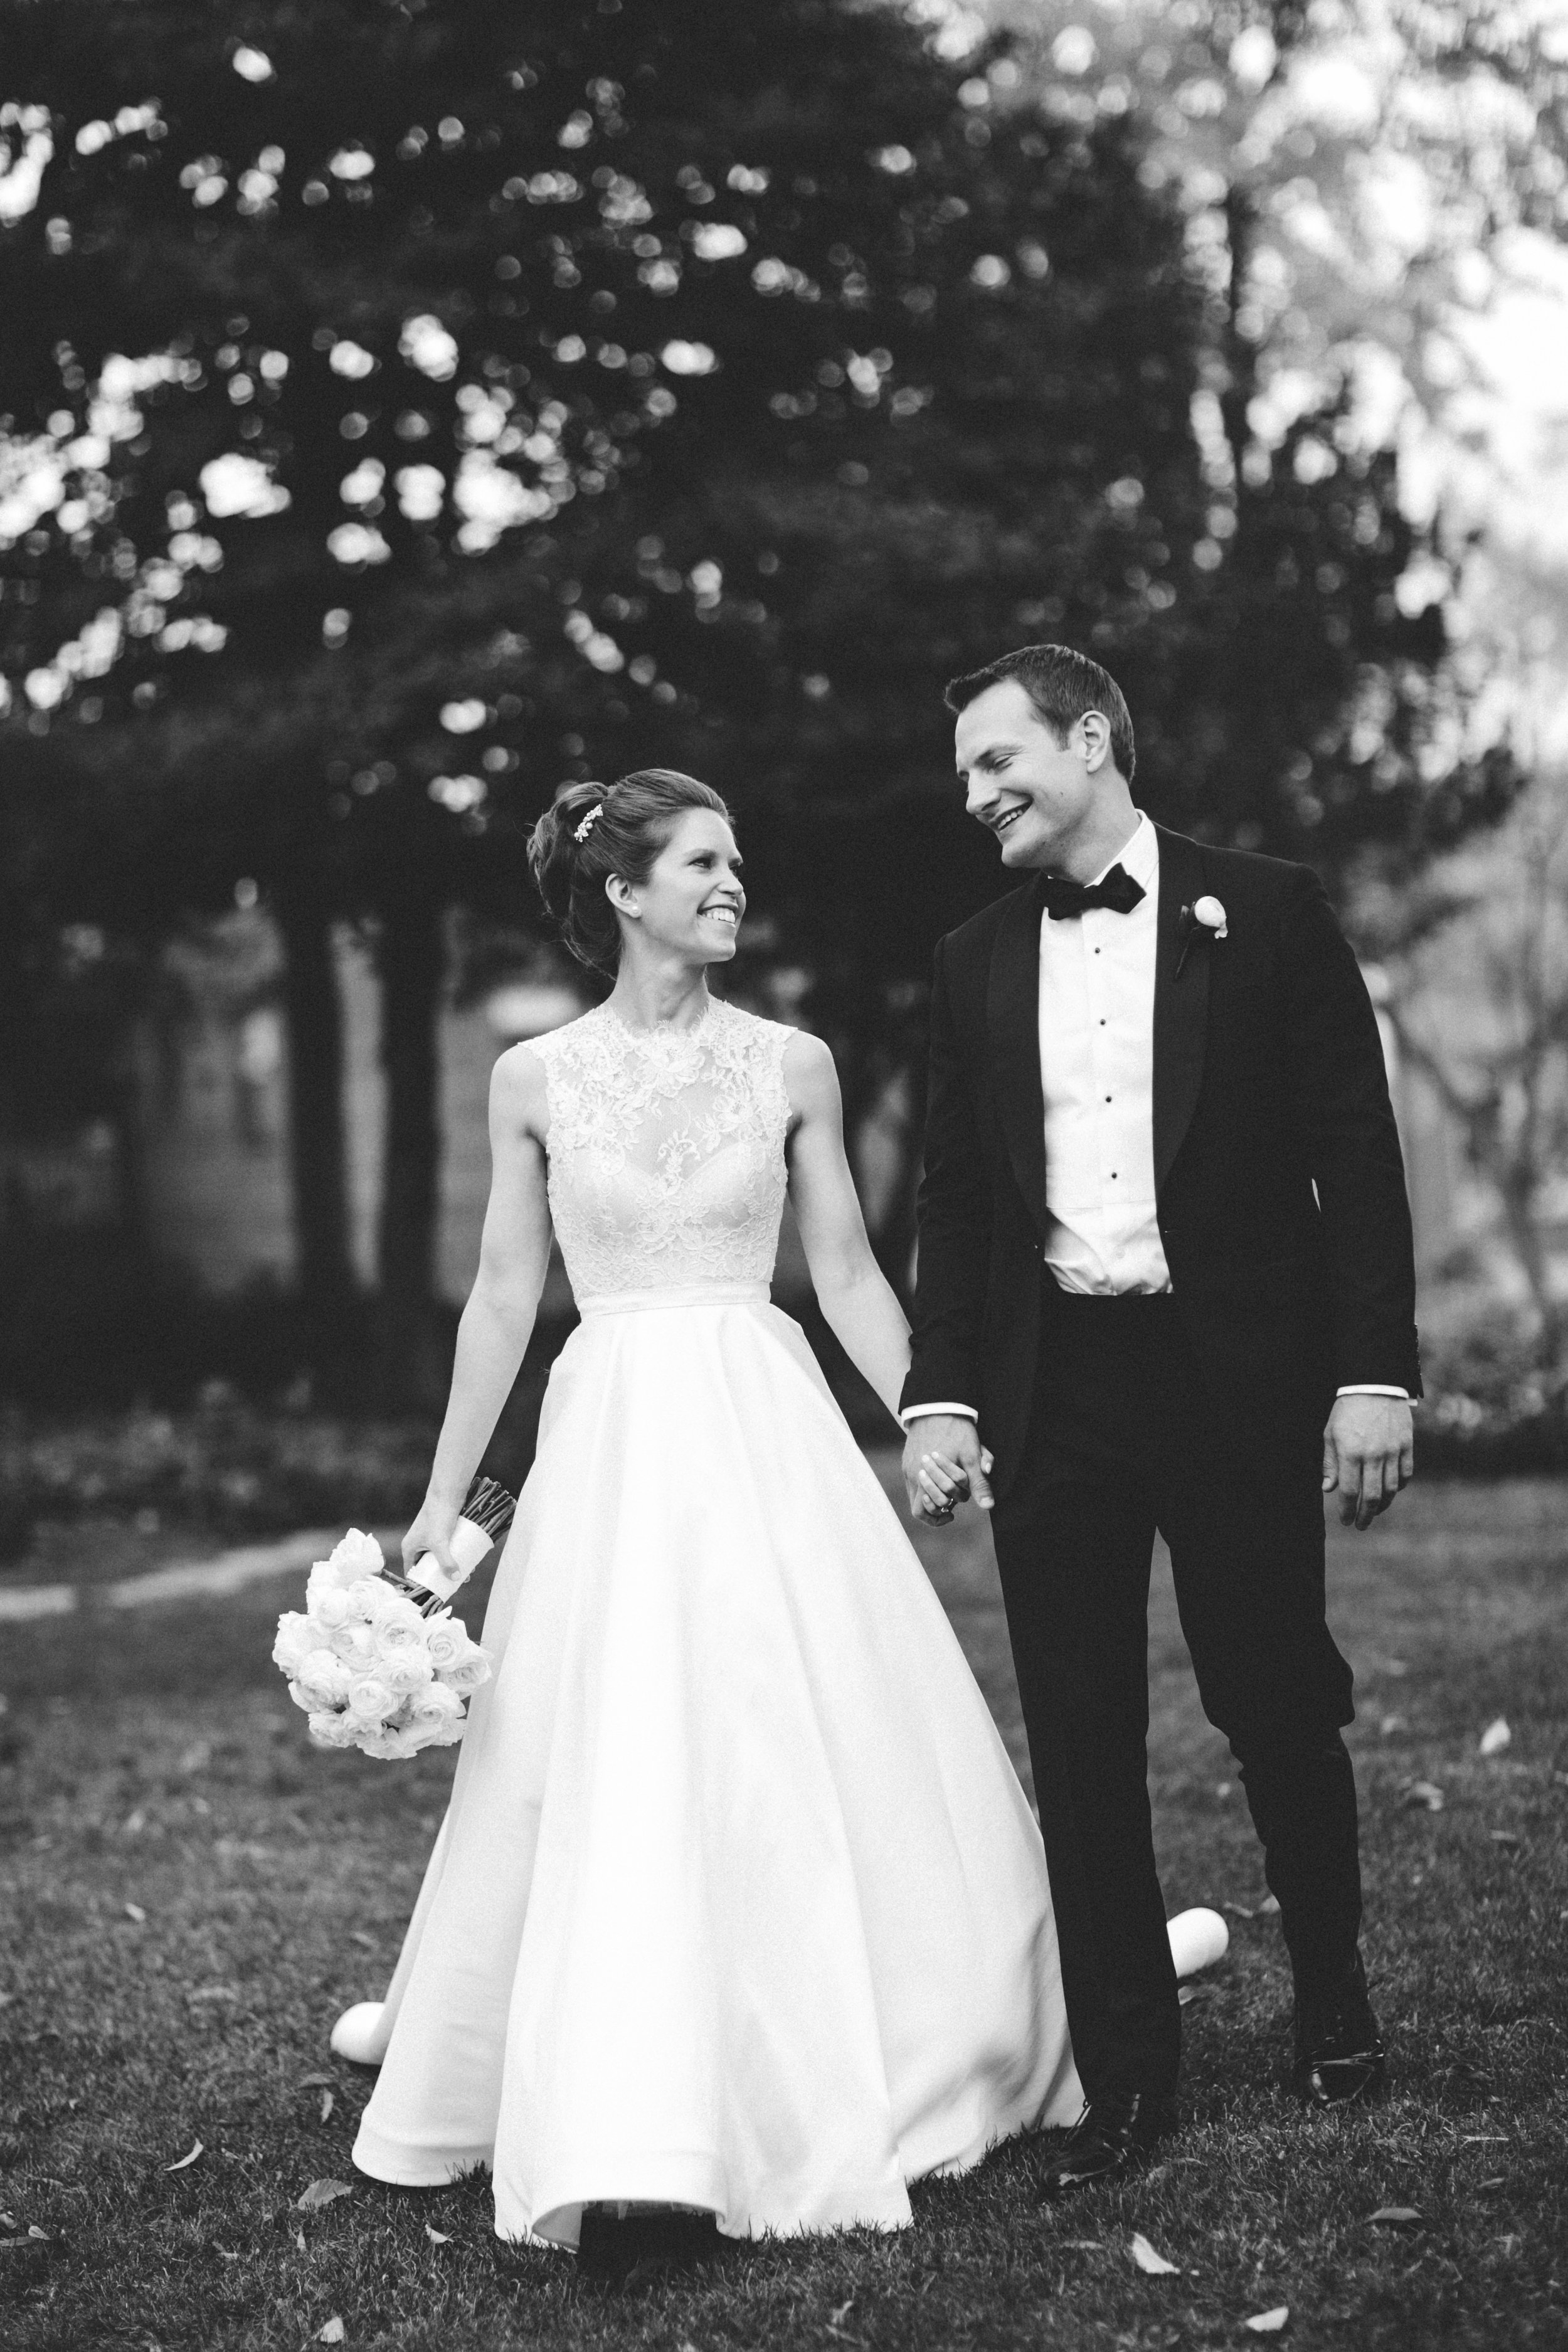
{"x":1369,"y":1453}
{"x":945,"y":1464}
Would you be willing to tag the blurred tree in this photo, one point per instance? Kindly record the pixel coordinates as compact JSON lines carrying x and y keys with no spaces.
{"x":416,"y":405}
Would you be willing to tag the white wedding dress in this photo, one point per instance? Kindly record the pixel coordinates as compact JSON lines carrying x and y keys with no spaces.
{"x":738,"y":1903}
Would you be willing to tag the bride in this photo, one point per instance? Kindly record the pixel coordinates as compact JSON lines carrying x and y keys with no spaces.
{"x":737,"y":1909}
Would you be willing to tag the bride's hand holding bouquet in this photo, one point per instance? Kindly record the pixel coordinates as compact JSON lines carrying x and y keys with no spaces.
{"x":376,"y":1661}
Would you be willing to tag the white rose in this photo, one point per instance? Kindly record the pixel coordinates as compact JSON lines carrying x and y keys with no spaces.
{"x":369,"y":1598}
{"x":1211,"y":915}
{"x":444,"y":1640}
{"x":404,"y":1671}
{"x":331,"y":1730}
{"x":433,"y":1706}
{"x":400,"y":1630}
{"x":471,"y":1669}
{"x":358,"y":1555}
{"x":370,"y":1699}
{"x":437,"y":1735}
{"x":326,"y":1600}
{"x":354,"y":1643}
{"x":297,"y":1637}
{"x":387,"y":1744}
{"x":325,"y":1677}
{"x":301,"y":1696}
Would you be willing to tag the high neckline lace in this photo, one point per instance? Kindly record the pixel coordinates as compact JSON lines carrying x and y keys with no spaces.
{"x":666,"y":1147}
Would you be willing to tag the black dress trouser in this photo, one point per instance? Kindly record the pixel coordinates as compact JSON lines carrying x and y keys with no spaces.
{"x":1127,"y":1439}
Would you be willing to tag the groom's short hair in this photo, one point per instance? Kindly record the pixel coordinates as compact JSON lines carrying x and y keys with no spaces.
{"x":1062,"y":685}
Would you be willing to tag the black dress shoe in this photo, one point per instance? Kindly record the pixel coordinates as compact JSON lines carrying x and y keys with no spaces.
{"x":1115,"y":2135}
{"x":1339,"y":2049}
{"x":644,"y":2250}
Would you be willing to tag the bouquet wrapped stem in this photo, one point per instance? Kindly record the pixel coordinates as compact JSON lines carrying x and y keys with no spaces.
{"x":376,"y":1660}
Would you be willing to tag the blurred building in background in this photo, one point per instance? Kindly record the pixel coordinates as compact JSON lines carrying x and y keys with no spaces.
{"x":211,"y":1107}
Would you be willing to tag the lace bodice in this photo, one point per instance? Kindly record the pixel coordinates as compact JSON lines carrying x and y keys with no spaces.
{"x":666,"y":1149}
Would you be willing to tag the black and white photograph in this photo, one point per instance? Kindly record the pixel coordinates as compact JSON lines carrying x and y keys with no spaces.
{"x":784,"y":1174}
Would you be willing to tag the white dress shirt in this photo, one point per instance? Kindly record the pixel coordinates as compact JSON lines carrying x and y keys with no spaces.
{"x":1096,"y":1076}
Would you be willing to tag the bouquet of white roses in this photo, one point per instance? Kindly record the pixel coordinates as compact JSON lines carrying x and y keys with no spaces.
{"x":376,"y":1662}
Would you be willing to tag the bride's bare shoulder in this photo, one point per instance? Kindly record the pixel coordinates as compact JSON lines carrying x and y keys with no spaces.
{"x":520,"y":1095}
{"x":810,"y":1071}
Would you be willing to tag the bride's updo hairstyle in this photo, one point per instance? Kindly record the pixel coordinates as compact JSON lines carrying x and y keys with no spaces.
{"x":627,"y":824}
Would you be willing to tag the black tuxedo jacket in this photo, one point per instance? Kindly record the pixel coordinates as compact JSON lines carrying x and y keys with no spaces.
{"x":1276,"y":1164}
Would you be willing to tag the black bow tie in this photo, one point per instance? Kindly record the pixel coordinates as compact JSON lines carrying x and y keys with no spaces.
{"x":1115,"y":890}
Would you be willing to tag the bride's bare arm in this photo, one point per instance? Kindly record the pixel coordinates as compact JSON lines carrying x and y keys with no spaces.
{"x":855,"y":1298}
{"x":498,"y":1321}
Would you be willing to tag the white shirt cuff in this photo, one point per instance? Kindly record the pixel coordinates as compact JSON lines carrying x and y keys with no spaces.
{"x":1374,"y":1387}
{"x":921,"y":1411}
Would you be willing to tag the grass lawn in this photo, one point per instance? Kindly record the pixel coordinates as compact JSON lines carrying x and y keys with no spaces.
{"x":189,"y":1895}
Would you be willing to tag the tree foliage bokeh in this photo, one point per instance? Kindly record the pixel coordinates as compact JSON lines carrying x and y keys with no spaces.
{"x":412,"y":406}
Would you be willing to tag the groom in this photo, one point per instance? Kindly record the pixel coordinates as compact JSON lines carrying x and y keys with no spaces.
{"x":1167,"y":1280}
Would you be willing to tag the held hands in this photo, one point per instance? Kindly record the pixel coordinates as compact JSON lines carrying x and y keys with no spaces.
{"x":1369,"y":1453}
{"x":945,"y":1464}
{"x":432,"y":1532}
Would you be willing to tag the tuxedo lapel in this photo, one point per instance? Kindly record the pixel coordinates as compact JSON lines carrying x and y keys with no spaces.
{"x":1012,"y":1018}
{"x":1181,"y":1006}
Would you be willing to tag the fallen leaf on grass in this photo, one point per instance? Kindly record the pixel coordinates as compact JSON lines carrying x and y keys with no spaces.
{"x":1399,"y":2217}
{"x":134,"y":1911}
{"x":1187,"y":1993}
{"x":322,"y":2192}
{"x":1427,"y":1795}
{"x":184,"y":2160}
{"x":1268,"y":2323}
{"x":332,"y":2333}
{"x":328,"y":2103}
{"x":9,"y":2222}
{"x":1144,"y":2255}
{"x":299,"y":2242}
{"x":437,"y":2237}
{"x":33,"y":2232}
{"x":1496,"y":1737}
{"x":224,"y":2254}
{"x":316,"y":2082}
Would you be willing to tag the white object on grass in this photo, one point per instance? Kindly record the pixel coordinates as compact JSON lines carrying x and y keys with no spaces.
{"x":358,"y":2035}
{"x":1198,"y":1938}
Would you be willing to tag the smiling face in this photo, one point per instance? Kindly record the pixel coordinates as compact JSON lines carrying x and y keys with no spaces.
{"x":692,"y":903}
{"x":1044,"y":799}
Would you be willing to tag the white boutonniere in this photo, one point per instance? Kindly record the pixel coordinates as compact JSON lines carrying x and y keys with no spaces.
{"x":1204,"y":916}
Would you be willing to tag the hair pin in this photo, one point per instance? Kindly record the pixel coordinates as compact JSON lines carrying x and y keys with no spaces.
{"x":581,"y":832}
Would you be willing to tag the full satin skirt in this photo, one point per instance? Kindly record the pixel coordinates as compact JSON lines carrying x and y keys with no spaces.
{"x":738,"y":1903}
